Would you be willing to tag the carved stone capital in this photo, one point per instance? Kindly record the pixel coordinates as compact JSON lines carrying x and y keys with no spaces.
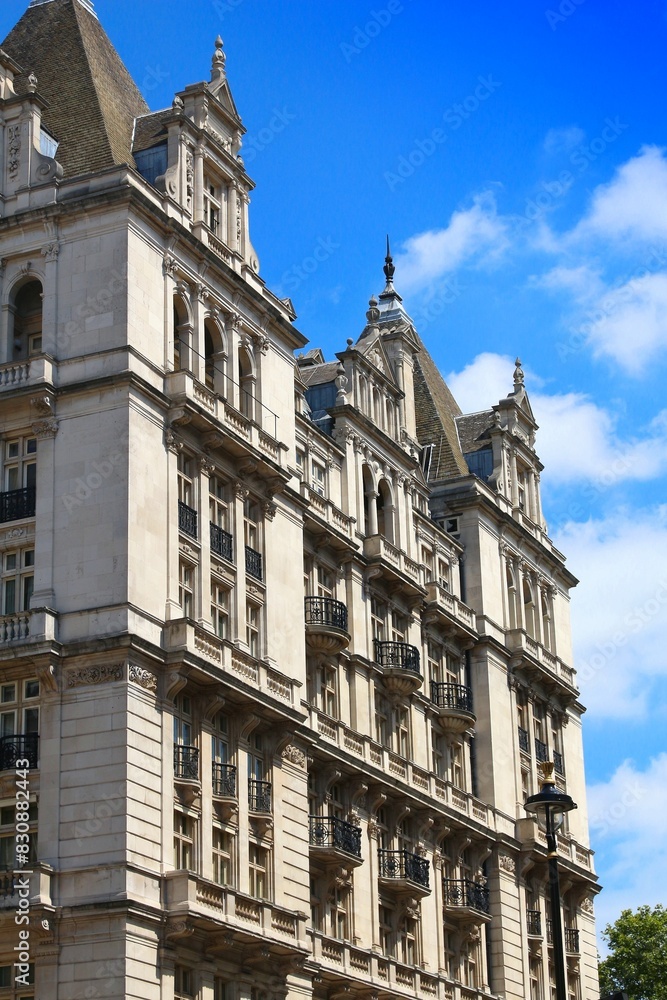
{"x":45,"y":428}
{"x":50,"y":251}
{"x":144,"y":678}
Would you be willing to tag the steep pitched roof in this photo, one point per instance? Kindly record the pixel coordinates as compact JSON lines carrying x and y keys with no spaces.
{"x":436,"y":411}
{"x":92,"y":98}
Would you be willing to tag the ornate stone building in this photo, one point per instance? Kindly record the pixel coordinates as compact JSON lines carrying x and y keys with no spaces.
{"x":228,"y":790}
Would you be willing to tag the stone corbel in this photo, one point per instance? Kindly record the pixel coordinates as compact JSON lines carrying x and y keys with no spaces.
{"x":248,"y":724}
{"x":175,"y":681}
{"x":214,"y":704}
{"x":47,"y":677}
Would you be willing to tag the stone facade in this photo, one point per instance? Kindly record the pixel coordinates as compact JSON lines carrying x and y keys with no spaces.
{"x":235,"y":792}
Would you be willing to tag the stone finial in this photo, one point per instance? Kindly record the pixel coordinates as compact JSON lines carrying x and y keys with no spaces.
{"x":373,"y":313}
{"x":32,"y":83}
{"x":518,"y":374}
{"x":389,"y":268}
{"x":177,"y":103}
{"x":218,"y":63}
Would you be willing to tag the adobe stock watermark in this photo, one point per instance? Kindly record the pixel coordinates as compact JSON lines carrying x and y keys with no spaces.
{"x":566,"y":9}
{"x":447,"y":294}
{"x":224,"y":7}
{"x":98,"y":815}
{"x":254,"y":144}
{"x":101,"y":472}
{"x":621,"y":292}
{"x":611,"y":817}
{"x":154,"y":76}
{"x":635,"y":621}
{"x":363,"y":35}
{"x":453,"y":118}
{"x":294,"y":276}
{"x":581,"y":159}
{"x":96,"y":309}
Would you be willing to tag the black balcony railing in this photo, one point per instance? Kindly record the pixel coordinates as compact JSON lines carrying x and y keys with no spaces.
{"x":186,"y":763}
{"x":559,"y":766}
{"x":332,"y":832}
{"x":534,"y":922}
{"x":187,"y":519}
{"x":13,"y":748}
{"x":404,"y":865}
{"x":221,"y":542}
{"x":224,"y":780}
{"x":541,"y":750}
{"x":465,"y":892}
{"x":398,"y":655}
{"x":253,"y":563}
{"x":259,"y":796}
{"x":455,"y":696}
{"x":326,"y":611}
{"x":16,"y":504}
{"x":524,"y":740}
{"x":572,"y":940}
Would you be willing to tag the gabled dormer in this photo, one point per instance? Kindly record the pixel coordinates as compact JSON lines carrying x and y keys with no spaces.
{"x":192,"y":153}
{"x":516,"y":467}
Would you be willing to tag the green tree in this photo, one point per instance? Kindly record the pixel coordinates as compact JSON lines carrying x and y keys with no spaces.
{"x":637,"y":962}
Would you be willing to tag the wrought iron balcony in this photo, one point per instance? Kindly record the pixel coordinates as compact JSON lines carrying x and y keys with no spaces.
{"x":186,"y":763}
{"x":454,"y":704}
{"x":397,"y":655}
{"x":224,"y":780}
{"x":259,"y":796}
{"x":13,"y":748}
{"x":221,"y":542}
{"x":326,"y":611}
{"x":465,"y":892}
{"x":15,"y":504}
{"x":455,"y":696}
{"x":541,"y":750}
{"x":335,"y":834}
{"x":404,"y":865}
{"x":524,"y":740}
{"x":534,"y":923}
{"x":187,"y":519}
{"x":559,"y":766}
{"x":572,"y":940}
{"x":253,"y":563}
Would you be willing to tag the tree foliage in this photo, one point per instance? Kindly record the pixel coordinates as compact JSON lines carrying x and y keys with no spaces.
{"x":637,"y":962}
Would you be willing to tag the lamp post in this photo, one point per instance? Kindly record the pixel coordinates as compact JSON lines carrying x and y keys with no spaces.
{"x":549,"y":807}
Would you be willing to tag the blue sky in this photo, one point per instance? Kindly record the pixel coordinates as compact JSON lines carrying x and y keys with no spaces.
{"x":515,"y":154}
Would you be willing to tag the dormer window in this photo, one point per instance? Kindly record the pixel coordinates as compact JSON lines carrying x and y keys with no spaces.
{"x":212,"y":205}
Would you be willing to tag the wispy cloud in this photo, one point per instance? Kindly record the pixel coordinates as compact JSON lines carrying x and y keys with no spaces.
{"x":470,"y":235}
{"x":562,"y":140}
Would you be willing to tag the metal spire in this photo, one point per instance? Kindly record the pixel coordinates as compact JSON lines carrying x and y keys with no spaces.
{"x":389,"y":268}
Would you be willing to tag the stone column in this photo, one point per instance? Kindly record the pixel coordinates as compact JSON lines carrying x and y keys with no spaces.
{"x":50,"y":298}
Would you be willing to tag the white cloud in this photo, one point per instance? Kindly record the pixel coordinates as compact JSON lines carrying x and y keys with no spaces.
{"x":633,"y":205}
{"x":470,"y":233}
{"x":601,"y":457}
{"x":583,"y":281}
{"x":628,"y":815}
{"x":619,"y":610}
{"x":562,"y":140}
{"x":631,"y":323}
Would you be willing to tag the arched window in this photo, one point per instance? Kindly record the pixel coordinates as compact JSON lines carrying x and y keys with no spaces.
{"x":511,"y":597}
{"x":385,"y":509}
{"x":370,"y":517}
{"x":27,"y":332}
{"x":246,"y":385}
{"x":214,"y":358}
{"x":547,"y":631}
{"x":182,"y":331}
{"x":528,"y":609}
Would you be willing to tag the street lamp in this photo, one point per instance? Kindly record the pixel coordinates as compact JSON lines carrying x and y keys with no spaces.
{"x":549,"y":807}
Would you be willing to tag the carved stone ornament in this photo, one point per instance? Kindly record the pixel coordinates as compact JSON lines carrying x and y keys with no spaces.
{"x":47,"y":677}
{"x":206,"y":465}
{"x":241,"y":490}
{"x":45,"y":428}
{"x":43,"y":405}
{"x":172,"y":442}
{"x":169,"y":265}
{"x":506,"y":863}
{"x":96,"y":675}
{"x":189,"y":178}
{"x":144,"y":678}
{"x":270,"y":509}
{"x":13,"y":150}
{"x":294,"y":755}
{"x":587,"y":905}
{"x":50,"y":251}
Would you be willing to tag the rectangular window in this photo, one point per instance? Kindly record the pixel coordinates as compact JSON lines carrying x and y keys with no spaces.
{"x":217,"y":503}
{"x":378,"y":618}
{"x":18,"y":577}
{"x":328,"y":693}
{"x":183,"y":721}
{"x":401,"y":731}
{"x":20,"y":469}
{"x":252,"y":628}
{"x":186,"y":485}
{"x":19,"y":708}
{"x":444,"y":574}
{"x":301,"y":463}
{"x":220,"y":609}
{"x":184,"y":842}
{"x":223,"y":856}
{"x":438,"y":754}
{"x":183,"y":983}
{"x":385,"y":929}
{"x":318,"y":478}
{"x":8,"y":833}
{"x":212,"y":205}
{"x":457,"y":772}
{"x":382,"y":733}
{"x":186,"y":588}
{"x":258,"y":871}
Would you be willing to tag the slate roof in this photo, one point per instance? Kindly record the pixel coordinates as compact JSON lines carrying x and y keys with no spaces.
{"x":473,"y":431}
{"x":92,"y":98}
{"x":318,"y":374}
{"x":437,"y":411}
{"x":149,"y":130}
